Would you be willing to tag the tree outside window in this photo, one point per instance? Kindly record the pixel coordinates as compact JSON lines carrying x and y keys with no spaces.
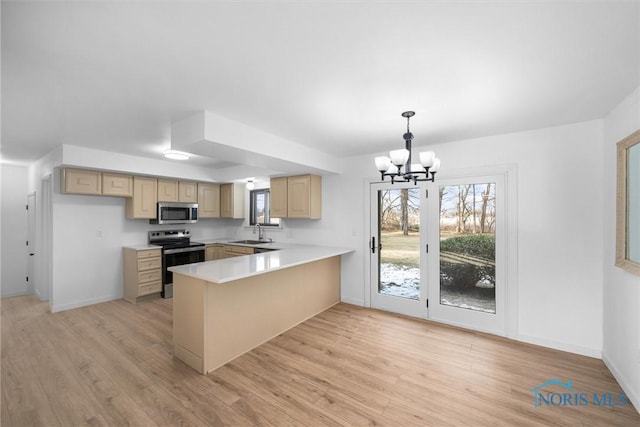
{"x":260,"y":208}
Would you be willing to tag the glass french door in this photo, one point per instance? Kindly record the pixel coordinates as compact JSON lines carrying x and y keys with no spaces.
{"x":467,"y":281}
{"x":398,"y":248}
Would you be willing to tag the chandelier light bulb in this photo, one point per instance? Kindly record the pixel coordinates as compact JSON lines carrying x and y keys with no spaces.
{"x":383,"y":163}
{"x":399,"y":157}
{"x":426,"y":158}
{"x":393,"y":165}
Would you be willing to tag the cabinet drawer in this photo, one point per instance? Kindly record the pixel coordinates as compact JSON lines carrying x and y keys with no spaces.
{"x":148,"y":254}
{"x":149,"y":263}
{"x":149,"y":276}
{"x":149,"y":288}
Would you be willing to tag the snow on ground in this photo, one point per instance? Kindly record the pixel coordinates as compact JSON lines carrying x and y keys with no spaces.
{"x":473,"y":306}
{"x":400,"y":281}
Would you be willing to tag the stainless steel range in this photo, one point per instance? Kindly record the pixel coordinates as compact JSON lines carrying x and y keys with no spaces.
{"x":177,"y":249}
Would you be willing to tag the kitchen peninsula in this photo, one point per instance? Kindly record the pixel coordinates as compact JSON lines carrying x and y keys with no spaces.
{"x":224,"y":308}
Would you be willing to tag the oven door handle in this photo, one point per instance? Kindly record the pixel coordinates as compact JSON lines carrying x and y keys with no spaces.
{"x":182,"y":250}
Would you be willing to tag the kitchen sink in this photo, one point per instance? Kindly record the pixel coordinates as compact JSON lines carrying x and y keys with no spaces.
{"x":252,"y":242}
{"x":263,"y":250}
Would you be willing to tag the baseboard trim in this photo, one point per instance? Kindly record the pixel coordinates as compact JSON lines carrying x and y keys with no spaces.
{"x":352,"y":301}
{"x":62,"y":307}
{"x":15,"y":294}
{"x":571,"y":348}
{"x":628,"y":390}
{"x":40,"y":296}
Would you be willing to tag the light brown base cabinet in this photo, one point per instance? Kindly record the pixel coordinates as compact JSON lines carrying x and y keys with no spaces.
{"x":230,"y":251}
{"x":215,"y":323}
{"x":142,"y":273}
{"x":213,"y":252}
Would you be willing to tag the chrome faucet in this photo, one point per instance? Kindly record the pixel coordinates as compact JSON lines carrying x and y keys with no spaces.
{"x":260,"y":232}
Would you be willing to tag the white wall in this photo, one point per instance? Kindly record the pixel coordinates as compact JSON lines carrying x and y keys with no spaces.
{"x":559,"y":230}
{"x":89,"y":233}
{"x":621,"y":348}
{"x":342,"y":203}
{"x":560,"y":237}
{"x":14,"y":231}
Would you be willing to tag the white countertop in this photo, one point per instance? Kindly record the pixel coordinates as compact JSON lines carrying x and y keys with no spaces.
{"x":143,"y":247}
{"x":229,"y":269}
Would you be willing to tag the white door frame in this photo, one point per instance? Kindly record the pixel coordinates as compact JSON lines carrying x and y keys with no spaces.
{"x":495,"y":323}
{"x":31,"y":241}
{"x":44,"y":245}
{"x":510,"y":172}
{"x":410,"y":307}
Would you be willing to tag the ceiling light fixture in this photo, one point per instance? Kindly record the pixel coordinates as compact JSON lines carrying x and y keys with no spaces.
{"x":176,"y":155}
{"x":398,"y":165}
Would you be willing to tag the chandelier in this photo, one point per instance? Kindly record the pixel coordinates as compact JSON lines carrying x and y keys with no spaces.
{"x":398,"y":165}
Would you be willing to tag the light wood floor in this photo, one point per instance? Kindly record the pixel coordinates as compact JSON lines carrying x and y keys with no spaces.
{"x":112,"y":364}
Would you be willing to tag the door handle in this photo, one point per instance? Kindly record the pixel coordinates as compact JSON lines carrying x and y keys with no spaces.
{"x":373,"y":245}
{"x":31,"y":254}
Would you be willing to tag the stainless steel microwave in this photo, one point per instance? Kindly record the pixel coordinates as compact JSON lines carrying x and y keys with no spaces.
{"x":176,"y":213}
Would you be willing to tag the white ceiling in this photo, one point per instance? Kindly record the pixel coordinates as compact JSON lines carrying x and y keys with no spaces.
{"x":331,"y":75}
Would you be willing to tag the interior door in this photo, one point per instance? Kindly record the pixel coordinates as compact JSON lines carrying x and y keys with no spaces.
{"x":467,"y":282}
{"x":398,"y":248}
{"x":31,"y":240}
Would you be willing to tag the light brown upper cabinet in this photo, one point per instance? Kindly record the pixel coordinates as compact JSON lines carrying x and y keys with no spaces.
{"x":172,"y":190}
{"x":278,"y":194}
{"x":208,"y":200}
{"x":81,"y":181}
{"x":90,"y":182}
{"x":115,"y":184}
{"x":187,"y":192}
{"x":145,"y":198}
{"x":232,"y":201}
{"x":296,"y":197}
{"x":167,"y":190}
{"x":304,"y":196}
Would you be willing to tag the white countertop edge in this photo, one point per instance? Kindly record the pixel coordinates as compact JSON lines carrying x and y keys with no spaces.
{"x":143,"y":247}
{"x":185,"y":269}
{"x":293,"y":264}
